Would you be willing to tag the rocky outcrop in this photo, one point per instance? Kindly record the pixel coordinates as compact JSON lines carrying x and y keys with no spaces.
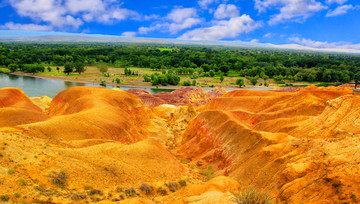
{"x":300,"y":146}
{"x":179,"y":97}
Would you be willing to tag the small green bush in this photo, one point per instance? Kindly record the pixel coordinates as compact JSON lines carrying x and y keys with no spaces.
{"x":95,"y":191}
{"x":10,"y":171}
{"x":172,"y":186}
{"x":187,"y":83}
{"x":193,"y":83}
{"x":252,"y":196}
{"x":17,"y":195}
{"x":102,"y":83}
{"x":58,"y":178}
{"x":39,"y":188}
{"x":130,"y":192}
{"x":22,"y":182}
{"x":146,"y":188}
{"x":208,"y":173}
{"x":4,"y":197}
{"x":162,"y":191}
{"x":182,"y":182}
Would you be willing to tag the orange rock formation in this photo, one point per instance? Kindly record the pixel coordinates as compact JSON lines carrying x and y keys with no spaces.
{"x":298,"y":145}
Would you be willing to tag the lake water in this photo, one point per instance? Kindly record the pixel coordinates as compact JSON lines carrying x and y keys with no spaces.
{"x":35,"y":87}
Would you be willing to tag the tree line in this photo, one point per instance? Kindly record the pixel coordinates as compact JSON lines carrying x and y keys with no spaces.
{"x":279,"y":65}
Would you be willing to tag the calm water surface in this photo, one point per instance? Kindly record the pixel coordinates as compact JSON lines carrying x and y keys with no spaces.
{"x":35,"y":87}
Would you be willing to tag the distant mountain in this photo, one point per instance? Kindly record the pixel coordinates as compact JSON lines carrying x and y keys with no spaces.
{"x":32,"y":36}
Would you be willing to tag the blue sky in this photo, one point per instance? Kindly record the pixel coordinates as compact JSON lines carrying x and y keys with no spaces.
{"x":324,"y":24}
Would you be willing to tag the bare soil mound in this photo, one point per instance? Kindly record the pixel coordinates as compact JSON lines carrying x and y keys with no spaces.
{"x":291,"y":143}
{"x":94,"y":112}
{"x":94,"y":144}
{"x":16,"y":108}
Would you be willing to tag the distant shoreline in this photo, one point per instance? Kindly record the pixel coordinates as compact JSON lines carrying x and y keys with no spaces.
{"x":207,"y":89}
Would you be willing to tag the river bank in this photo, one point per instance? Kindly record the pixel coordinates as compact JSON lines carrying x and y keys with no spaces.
{"x":93,"y":76}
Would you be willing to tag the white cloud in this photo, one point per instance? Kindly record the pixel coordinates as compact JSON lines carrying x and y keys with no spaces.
{"x":27,"y":27}
{"x":151,"y":17}
{"x":129,"y":34}
{"x":340,"y":10}
{"x":254,"y":41}
{"x":226,"y":11}
{"x":91,"y":6}
{"x":180,"y":14}
{"x":50,"y":11}
{"x":223,"y":29}
{"x":326,"y":45}
{"x":178,"y":19}
{"x":205,"y":3}
{"x":290,"y":10}
{"x":336,"y":1}
{"x":187,"y":23}
{"x":117,"y":14}
{"x":269,"y":35}
{"x":72,"y":13}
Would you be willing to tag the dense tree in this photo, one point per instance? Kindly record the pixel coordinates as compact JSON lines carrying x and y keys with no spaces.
{"x":212,"y":73}
{"x":254,"y":81}
{"x":13,"y":67}
{"x":221,"y":77}
{"x":193,"y":83}
{"x":224,"y":68}
{"x":79,"y":67}
{"x":240,"y":82}
{"x":251,"y":62}
{"x":68,"y":68}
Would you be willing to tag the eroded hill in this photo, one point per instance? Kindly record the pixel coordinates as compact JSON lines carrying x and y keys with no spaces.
{"x":95,"y":144}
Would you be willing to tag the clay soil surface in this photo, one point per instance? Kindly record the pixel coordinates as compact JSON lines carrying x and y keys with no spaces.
{"x":92,"y":144}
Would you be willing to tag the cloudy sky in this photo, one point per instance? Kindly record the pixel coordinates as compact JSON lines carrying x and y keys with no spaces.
{"x":311,"y":23}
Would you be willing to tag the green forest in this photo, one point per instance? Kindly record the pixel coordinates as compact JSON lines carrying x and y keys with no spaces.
{"x":278,"y":65}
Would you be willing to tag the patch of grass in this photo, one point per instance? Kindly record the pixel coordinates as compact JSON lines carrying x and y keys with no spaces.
{"x":87,"y":188}
{"x":146,"y":188}
{"x":4,"y":70}
{"x":17,"y":195}
{"x":182,"y":182}
{"x":119,"y":189}
{"x":22,"y":182}
{"x":162,"y":191}
{"x":95,"y":192}
{"x":10,"y":171}
{"x":130,"y":192}
{"x":173,"y":187}
{"x":1,"y":155}
{"x":78,"y":197}
{"x":58,"y":178}
{"x":165,"y":49}
{"x":39,"y":188}
{"x":208,"y":173}
{"x":252,"y":196}
{"x":4,"y":197}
